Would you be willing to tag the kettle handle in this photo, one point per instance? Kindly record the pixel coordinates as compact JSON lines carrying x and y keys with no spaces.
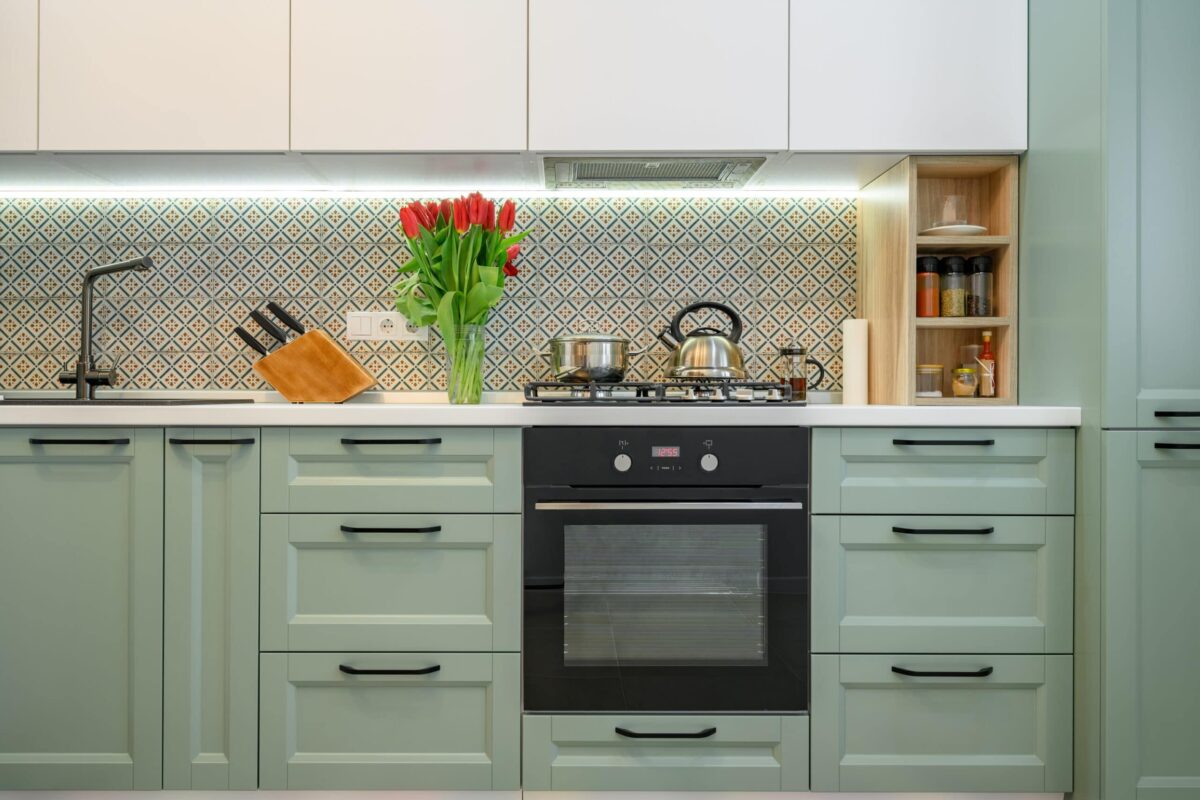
{"x":735,"y":334}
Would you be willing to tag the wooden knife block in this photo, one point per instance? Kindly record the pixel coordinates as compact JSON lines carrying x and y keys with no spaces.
{"x":314,"y":369}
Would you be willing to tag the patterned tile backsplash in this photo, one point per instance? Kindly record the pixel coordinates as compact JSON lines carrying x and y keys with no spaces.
{"x":607,"y":264}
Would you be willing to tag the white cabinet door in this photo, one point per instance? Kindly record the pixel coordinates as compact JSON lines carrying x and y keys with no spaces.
{"x":912,"y":76}
{"x":18,"y":74}
{"x":658,"y":74}
{"x":154,"y":75}
{"x":408,"y":74}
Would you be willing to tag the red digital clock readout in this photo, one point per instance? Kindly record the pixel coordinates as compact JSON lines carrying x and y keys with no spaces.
{"x":664,"y":451}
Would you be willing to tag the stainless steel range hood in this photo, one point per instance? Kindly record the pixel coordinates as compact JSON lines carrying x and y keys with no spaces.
{"x":650,"y":172}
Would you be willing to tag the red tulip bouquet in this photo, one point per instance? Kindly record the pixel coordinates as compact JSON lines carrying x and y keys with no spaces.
{"x":462,"y":255}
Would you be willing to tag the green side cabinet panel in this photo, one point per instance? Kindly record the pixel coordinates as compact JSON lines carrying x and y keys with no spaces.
{"x":580,"y":752}
{"x":932,"y":584}
{"x":395,"y":582}
{"x":81,"y":580}
{"x":391,"y":470}
{"x":1151,"y":703}
{"x":943,"y":471}
{"x":456,"y":727}
{"x":1002,"y":725}
{"x":210,"y":657}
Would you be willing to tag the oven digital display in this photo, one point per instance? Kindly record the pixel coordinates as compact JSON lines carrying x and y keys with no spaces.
{"x":664,"y":451}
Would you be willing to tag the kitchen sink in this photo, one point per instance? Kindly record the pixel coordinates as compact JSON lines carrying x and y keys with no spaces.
{"x":117,"y":401}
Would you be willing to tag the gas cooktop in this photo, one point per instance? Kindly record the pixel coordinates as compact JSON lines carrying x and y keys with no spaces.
{"x":730,"y":392}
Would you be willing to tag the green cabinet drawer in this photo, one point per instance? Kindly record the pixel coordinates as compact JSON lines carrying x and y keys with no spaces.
{"x":743,"y":753}
{"x":1168,"y":409}
{"x":943,"y":471}
{"x":919,"y":584}
{"x":454,"y":728}
{"x":391,"y":582}
{"x":391,"y":470}
{"x":875,"y":730}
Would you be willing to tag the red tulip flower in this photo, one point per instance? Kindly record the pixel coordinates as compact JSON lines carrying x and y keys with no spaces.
{"x":508,"y":216}
{"x":446,"y":211}
{"x":411,"y":226}
{"x":432,"y":208}
{"x":461,"y":220}
{"x":510,"y":268}
{"x":489,"y":216}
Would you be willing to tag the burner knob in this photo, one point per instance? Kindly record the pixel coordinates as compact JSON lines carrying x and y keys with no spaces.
{"x":708,"y":462}
{"x":622,"y":462}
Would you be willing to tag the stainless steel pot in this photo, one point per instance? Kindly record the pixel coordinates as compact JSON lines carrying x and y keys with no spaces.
{"x":589,"y":358}
{"x":705,"y":352}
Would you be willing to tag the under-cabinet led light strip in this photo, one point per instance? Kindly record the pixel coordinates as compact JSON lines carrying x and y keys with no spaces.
{"x":416,"y":192}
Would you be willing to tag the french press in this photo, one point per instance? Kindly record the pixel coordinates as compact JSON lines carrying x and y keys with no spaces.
{"x":793,"y":371}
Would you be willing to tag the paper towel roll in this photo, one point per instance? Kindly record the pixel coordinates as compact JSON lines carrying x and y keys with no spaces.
{"x":854,"y":362}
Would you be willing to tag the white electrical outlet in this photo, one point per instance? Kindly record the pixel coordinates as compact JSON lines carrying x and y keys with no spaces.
{"x":382,"y":326}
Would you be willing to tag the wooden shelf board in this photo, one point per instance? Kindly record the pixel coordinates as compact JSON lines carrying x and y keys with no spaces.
{"x":960,"y":244}
{"x":964,"y":322}
{"x":964,"y":401}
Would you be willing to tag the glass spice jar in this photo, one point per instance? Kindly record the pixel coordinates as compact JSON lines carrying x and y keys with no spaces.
{"x":965,"y":382}
{"x":927,"y":286}
{"x":954,"y":286}
{"x":929,"y":380}
{"x":980,"y":292}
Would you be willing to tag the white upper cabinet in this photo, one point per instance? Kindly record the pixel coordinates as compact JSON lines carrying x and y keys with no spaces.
{"x":911,"y":76}
{"x":151,"y":75}
{"x":18,"y":75}
{"x":408,"y":75}
{"x":658,"y":74}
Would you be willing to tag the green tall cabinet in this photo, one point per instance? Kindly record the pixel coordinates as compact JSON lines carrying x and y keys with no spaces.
{"x":81,"y":582}
{"x":210,"y":656}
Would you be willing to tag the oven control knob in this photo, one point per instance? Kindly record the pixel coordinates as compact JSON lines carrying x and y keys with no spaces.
{"x":622,"y":462}
{"x":708,"y":462}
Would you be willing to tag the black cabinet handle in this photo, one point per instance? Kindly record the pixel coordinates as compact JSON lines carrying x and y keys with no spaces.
{"x":1177,"y":413}
{"x":173,"y":440}
{"x":704,"y":734}
{"x":78,"y":441}
{"x":353,"y":529}
{"x":943,"y":531}
{"x":1175,"y":446}
{"x":982,"y":672}
{"x":433,"y":440}
{"x":946,"y":442}
{"x":349,"y":670}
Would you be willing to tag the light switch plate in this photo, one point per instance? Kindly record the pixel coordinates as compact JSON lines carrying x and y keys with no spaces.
{"x":382,"y":326}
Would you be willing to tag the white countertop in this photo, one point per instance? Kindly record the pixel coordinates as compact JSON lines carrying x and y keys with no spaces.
{"x":402,"y":410}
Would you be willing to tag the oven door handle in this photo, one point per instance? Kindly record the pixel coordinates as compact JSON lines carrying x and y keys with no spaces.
{"x":669,"y":506}
{"x":701,"y":734}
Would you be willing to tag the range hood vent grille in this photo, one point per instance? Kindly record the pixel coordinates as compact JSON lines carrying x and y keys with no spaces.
{"x":650,"y":173}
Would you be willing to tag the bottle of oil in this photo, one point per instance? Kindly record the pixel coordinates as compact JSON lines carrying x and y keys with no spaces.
{"x":987,"y":367}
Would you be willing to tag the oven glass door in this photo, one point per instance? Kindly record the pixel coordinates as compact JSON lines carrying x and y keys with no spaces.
{"x":652,"y":606}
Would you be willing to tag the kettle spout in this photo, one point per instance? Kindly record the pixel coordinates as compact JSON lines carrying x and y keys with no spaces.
{"x":666,"y":338}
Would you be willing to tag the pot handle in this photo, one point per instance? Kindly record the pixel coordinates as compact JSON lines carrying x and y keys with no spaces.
{"x":735,"y":334}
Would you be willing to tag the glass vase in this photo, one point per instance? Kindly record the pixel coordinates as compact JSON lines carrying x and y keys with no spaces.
{"x":465,"y":350}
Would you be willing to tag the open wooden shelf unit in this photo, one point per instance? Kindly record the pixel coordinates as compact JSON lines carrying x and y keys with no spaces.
{"x":908,"y":198}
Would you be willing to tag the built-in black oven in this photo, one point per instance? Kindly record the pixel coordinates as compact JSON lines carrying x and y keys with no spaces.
{"x":666,"y":570}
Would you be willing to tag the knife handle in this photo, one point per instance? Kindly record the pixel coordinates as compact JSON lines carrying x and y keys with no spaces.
{"x":271,"y":328}
{"x":250,"y":341}
{"x":285,"y":317}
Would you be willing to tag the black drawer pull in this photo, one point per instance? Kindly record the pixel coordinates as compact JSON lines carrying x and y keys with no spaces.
{"x":704,"y":734}
{"x":78,"y":441}
{"x":210,"y":441}
{"x":353,"y":529}
{"x":1177,"y":413}
{"x":349,"y":670}
{"x":982,"y":672}
{"x":432,"y":440}
{"x":946,"y":442}
{"x":942,"y":531}
{"x":1175,"y":446}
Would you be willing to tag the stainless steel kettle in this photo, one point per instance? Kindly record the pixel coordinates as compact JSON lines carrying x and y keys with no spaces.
{"x":705,"y":352}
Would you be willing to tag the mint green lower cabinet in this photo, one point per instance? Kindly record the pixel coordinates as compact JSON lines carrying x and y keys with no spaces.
{"x":1151,"y":700}
{"x":585,"y":753}
{"x":1002,"y":585}
{"x":81,"y":627}
{"x":437,"y":582}
{"x":210,"y":659}
{"x":878,"y":731}
{"x":456,"y":728}
{"x":915,"y":471}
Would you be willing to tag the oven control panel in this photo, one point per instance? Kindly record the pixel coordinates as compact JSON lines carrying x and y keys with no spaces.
{"x":734,"y":456}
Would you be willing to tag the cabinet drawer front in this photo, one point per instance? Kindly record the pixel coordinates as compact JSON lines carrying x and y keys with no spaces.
{"x":366,"y":470}
{"x":943,"y":471}
{"x":1169,"y":449}
{"x":586,"y":753}
{"x":455,"y":728}
{"x":1168,"y":409}
{"x":876,"y":730}
{"x":1002,"y":585}
{"x":74,"y":444}
{"x":391,"y":582}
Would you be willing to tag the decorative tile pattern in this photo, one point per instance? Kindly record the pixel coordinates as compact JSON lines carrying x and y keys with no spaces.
{"x":615,"y":265}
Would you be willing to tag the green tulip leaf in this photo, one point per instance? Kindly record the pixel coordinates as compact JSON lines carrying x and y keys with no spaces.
{"x":479,"y":300}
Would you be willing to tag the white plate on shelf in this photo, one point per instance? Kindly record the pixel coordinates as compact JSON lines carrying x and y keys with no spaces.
{"x":954,"y":230}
